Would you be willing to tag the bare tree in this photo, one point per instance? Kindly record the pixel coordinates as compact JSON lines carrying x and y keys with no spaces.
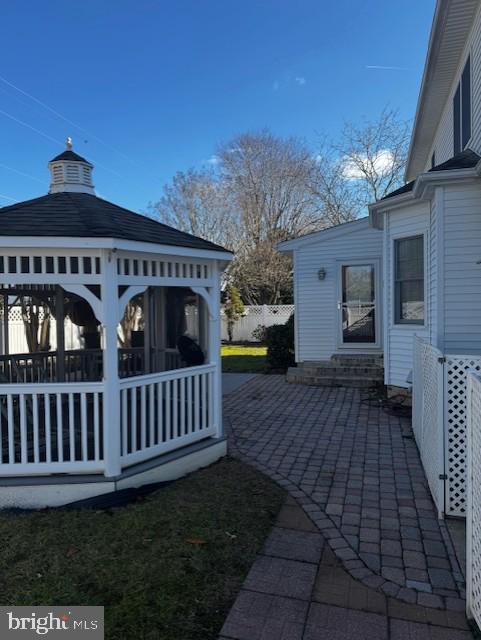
{"x":336,"y":200}
{"x":36,"y":321}
{"x":199,"y":203}
{"x":373,"y":154}
{"x":268,"y":178}
{"x":265,"y":189}
{"x":262,"y":274}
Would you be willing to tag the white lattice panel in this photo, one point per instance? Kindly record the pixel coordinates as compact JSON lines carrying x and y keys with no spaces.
{"x":456,"y":369}
{"x":428,"y":423}
{"x":473,"y":490}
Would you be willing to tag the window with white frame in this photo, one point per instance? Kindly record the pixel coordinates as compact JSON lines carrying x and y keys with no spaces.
{"x":409,"y":280}
{"x":462,"y":110}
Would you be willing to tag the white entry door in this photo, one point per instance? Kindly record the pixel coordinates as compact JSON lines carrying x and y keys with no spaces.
{"x":358,"y":309}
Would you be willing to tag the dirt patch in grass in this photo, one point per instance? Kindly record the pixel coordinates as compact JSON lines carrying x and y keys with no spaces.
{"x":165,"y":568}
{"x":243,"y":359}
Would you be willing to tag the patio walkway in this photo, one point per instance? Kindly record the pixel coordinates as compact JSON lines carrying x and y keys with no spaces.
{"x":355,"y":470}
{"x":298,"y":590}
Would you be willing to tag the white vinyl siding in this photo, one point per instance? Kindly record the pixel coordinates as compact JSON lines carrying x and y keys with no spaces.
{"x":409,"y":221}
{"x":462,"y":274}
{"x":316,"y":300}
{"x":443,"y":142}
{"x":435,"y":236}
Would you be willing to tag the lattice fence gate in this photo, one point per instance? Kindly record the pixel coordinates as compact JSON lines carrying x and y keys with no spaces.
{"x":428,"y":419}
{"x":473,"y":491}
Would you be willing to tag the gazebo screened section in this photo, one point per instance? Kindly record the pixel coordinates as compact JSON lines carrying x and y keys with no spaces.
{"x":109,"y":336}
{"x":126,"y":393}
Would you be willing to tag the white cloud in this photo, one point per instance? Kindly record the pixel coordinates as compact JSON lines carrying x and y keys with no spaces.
{"x":213,"y":160}
{"x":300,"y":80}
{"x":382,"y":162}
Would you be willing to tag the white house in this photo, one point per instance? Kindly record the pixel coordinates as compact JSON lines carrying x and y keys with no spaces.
{"x":138,"y":400}
{"x":432,"y":225}
{"x":338,"y":303}
{"x":430,"y":228}
{"x":430,"y":231}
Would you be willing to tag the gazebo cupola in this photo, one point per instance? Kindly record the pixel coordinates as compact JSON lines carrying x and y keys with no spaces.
{"x":70,"y":172}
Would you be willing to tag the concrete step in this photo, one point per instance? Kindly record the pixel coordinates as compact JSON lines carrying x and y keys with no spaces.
{"x":353,"y":359}
{"x":331,"y":381}
{"x":327,"y":369}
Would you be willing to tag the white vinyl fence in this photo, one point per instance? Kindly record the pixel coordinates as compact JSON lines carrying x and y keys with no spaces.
{"x":17,"y":342}
{"x":253,"y":316}
{"x":428,"y":410}
{"x":439,"y":422}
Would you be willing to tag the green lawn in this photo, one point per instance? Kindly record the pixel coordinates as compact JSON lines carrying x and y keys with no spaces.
{"x":167,"y":567}
{"x":243,"y":359}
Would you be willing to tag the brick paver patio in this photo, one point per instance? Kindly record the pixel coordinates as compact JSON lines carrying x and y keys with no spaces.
{"x":355,"y":470}
{"x":297,"y":589}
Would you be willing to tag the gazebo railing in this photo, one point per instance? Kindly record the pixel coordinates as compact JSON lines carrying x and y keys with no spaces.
{"x":58,"y":428}
{"x":165,"y":411}
{"x":51,"y":428}
{"x":133,"y":361}
{"x":79,"y":365}
{"x":82,"y":365}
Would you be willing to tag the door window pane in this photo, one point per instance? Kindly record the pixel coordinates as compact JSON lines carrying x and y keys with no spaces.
{"x":358,"y":304}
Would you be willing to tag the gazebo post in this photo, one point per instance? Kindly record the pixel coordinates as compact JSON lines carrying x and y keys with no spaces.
{"x":214,"y":347}
{"x":111,"y":400}
{"x":6,"y":346}
{"x":60,"y":329}
{"x":147,"y":331}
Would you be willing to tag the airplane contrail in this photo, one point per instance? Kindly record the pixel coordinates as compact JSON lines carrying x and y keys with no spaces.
{"x":385,"y":67}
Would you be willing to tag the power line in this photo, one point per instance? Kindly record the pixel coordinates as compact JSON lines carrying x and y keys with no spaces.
{"x":62,"y":117}
{"x":8,"y":198}
{"x":21,"y":173}
{"x":29,"y":126}
{"x":45,"y":135}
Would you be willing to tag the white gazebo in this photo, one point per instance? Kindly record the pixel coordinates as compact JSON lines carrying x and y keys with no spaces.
{"x":110,"y":346}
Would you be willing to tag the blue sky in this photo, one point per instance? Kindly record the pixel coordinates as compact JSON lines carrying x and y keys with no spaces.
{"x":156,"y":85}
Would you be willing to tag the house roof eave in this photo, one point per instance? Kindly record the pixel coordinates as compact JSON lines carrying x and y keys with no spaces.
{"x":288,"y":246}
{"x":452,"y":24}
{"x":422,"y":190}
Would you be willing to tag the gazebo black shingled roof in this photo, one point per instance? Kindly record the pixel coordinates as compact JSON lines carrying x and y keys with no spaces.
{"x":82,"y":215}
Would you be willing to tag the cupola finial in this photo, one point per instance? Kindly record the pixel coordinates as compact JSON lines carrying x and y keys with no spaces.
{"x":68,"y":143}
